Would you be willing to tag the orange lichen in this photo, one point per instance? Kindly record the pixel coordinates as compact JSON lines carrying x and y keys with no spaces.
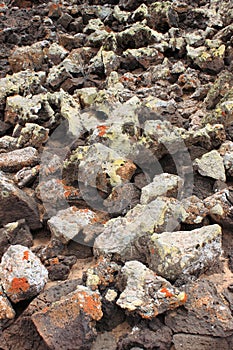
{"x":91,"y":305}
{"x":26,"y":255}
{"x":166,"y":292}
{"x":19,"y":285}
{"x":152,"y":251}
{"x":54,"y":261}
{"x":102,"y":130}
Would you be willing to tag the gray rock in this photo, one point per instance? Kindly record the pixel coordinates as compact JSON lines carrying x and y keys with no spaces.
{"x":7,"y":313}
{"x":16,"y":160}
{"x":56,"y":53}
{"x":69,"y":222}
{"x":15,"y":233}
{"x":204,"y":313}
{"x":211,"y":165}
{"x":168,"y":185}
{"x":16,"y":204}
{"x":184,"y":341}
{"x":139,"y":223}
{"x":147,"y":339}
{"x":138,"y":282}
{"x":22,"y":274}
{"x":185,"y":252}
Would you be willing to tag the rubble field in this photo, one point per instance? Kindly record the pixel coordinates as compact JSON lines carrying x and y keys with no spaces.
{"x":116,"y":175}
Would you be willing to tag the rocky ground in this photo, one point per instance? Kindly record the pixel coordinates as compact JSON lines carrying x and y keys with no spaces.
{"x":116,"y":175}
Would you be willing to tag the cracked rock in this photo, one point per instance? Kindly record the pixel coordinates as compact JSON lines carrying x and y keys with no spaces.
{"x":16,"y":160}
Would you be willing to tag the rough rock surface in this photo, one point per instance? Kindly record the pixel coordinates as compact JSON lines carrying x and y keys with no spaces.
{"x":16,"y":204}
{"x":76,"y":311}
{"x":202,"y":309}
{"x":138,"y":297}
{"x":7,"y":312}
{"x":123,"y":110}
{"x":22,"y":274}
{"x":185,"y":252}
{"x":211,"y":164}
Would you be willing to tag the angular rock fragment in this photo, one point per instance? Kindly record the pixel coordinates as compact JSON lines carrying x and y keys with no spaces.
{"x":211,"y":165}
{"x":100,"y":166}
{"x":7,"y":312}
{"x":122,"y":198}
{"x":68,"y":223}
{"x":209,"y":57}
{"x":15,"y":160}
{"x":23,"y":331}
{"x":32,"y":135}
{"x":185,"y":252}
{"x":196,"y":210}
{"x":15,"y":233}
{"x":204,"y":313}
{"x":168,"y":185}
{"x":28,"y":57}
{"x":15,"y":204}
{"x":26,"y":176}
{"x":138,"y":282}
{"x":70,"y":321}
{"x":22,"y":274}
{"x":140,"y":223}
{"x":29,"y":81}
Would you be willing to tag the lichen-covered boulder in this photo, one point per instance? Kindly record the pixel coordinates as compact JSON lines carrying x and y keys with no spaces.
{"x":70,"y":320}
{"x":137,"y":283}
{"x":185,"y":252}
{"x":22,"y":274}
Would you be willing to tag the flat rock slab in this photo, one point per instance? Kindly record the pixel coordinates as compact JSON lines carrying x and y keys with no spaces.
{"x":70,"y":321}
{"x":185,"y":252}
{"x":204,"y":313}
{"x":22,"y":274}
{"x":18,"y":159}
{"x":16,"y":204}
{"x":137,"y":295}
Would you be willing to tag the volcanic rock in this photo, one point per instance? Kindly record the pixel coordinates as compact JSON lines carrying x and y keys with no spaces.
{"x":22,"y":274}
{"x":15,"y":204}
